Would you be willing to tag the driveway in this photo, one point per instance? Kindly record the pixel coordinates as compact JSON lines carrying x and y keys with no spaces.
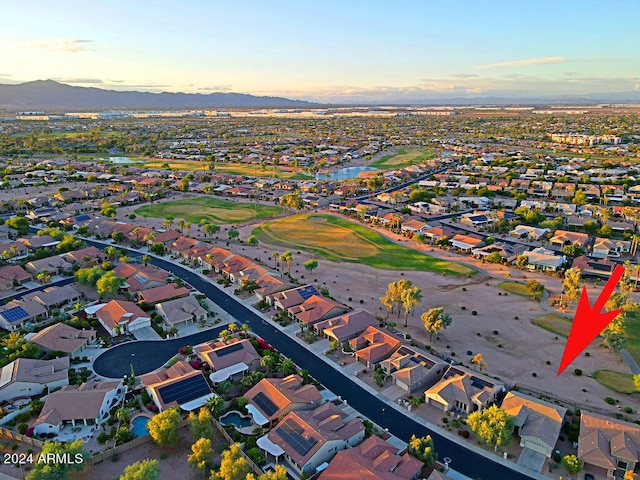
{"x":531,"y":460}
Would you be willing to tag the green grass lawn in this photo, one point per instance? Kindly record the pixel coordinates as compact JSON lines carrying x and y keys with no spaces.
{"x":619,"y":382}
{"x":344,"y":241}
{"x":553,"y":323}
{"x":211,"y":209}
{"x":404,"y":157}
{"x":229,"y":168}
{"x":633,"y":339}
{"x":516,"y":288}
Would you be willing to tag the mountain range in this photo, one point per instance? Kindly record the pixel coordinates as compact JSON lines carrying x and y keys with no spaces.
{"x":50,"y":95}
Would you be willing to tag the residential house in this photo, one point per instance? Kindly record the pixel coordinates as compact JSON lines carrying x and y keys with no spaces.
{"x":412,"y":370}
{"x":537,"y":423}
{"x":15,"y":313}
{"x":543,"y":259}
{"x":292,"y":297}
{"x":13,"y":252}
{"x":610,"y":248}
{"x":12,"y":276}
{"x":345,"y":327}
{"x":272,"y":398}
{"x":55,"y":265}
{"x":140,"y":277}
{"x":162,"y":293}
{"x":85,"y":404}
{"x":563,"y":237}
{"x":88,"y":256}
{"x":178,"y":386}
{"x":269,"y":285}
{"x":60,"y":337}
{"x":315,"y":309}
{"x":508,"y":251}
{"x":38,"y":241}
{"x":373,"y":459}
{"x":119,"y":316}
{"x":529,"y":233}
{"x":308,"y":439}
{"x":594,"y":267}
{"x":607,"y":445}
{"x":466,"y":243}
{"x":228,"y":359}
{"x":475,"y":220}
{"x":181,"y":310}
{"x":27,"y":377}
{"x":54,"y":297}
{"x":463,"y":390}
{"x":375,"y":344}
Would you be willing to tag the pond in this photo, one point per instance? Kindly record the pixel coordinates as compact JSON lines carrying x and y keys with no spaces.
{"x":118,"y":160}
{"x":139,"y":425}
{"x":344,"y":173}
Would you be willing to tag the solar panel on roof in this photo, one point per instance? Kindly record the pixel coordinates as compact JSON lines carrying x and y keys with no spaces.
{"x":291,"y":433}
{"x":308,"y":291}
{"x":185,"y":390}
{"x":14,"y":314}
{"x":234,"y":347}
{"x":479,"y":383}
{"x":80,"y":218}
{"x":140,"y":279}
{"x":265,"y":404}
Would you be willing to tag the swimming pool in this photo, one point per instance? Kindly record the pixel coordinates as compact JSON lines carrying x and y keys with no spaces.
{"x":139,"y":426}
{"x":235,"y":418}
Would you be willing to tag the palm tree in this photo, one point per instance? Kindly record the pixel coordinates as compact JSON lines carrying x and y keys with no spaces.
{"x":244,"y":329}
{"x":43,"y":276}
{"x":232,"y":327}
{"x":287,"y":366}
{"x":181,"y":225}
{"x":286,"y":257}
{"x":216,"y":405}
{"x":123,"y":415}
{"x":274,"y":255}
{"x":225,"y":335}
{"x":145,"y":259}
{"x":149,"y":237}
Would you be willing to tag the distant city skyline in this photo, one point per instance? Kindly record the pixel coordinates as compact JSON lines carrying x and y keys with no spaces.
{"x":330,"y":51}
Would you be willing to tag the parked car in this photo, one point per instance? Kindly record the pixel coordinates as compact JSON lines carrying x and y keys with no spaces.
{"x":588,"y":476}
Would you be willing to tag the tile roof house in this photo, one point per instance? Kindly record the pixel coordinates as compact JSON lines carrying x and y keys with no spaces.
{"x":60,"y":337}
{"x":530,"y":233}
{"x":466,"y":242}
{"x":228,"y":359}
{"x":120,"y":315}
{"x":181,"y":310}
{"x":269,"y":285}
{"x":289,"y":298}
{"x":412,"y":370}
{"x":543,"y":259}
{"x":563,"y":237}
{"x":608,"y":247}
{"x":15,"y":313}
{"x":594,"y":267}
{"x":27,"y":377}
{"x":509,"y":252}
{"x":315,"y":309}
{"x":375,"y":344}
{"x":94,"y":255}
{"x":345,"y":327}
{"x":86,"y":404}
{"x":273,"y":398}
{"x":54,"y":265}
{"x":140,"y":277}
{"x":161,"y":293}
{"x":538,"y":423}
{"x":464,"y":390}
{"x":310,"y":438}
{"x":178,"y":386}
{"x":606,"y":445}
{"x":13,"y":275}
{"x":54,"y":297}
{"x":373,"y":459}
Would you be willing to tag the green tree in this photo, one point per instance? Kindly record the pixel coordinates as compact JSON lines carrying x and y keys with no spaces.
{"x":571,"y":285}
{"x":573,"y":250}
{"x":422,"y":448}
{"x":292,"y":200}
{"x":59,"y":470}
{"x":201,"y":423}
{"x":21,"y":224}
{"x":579,"y":198}
{"x":411,"y":296}
{"x":163,"y":427}
{"x":109,"y":283}
{"x":435,"y":320}
{"x":279,"y":473}
{"x":494,"y":257}
{"x":211,"y":229}
{"x":145,"y":259}
{"x":572,"y":463}
{"x":215,"y":404}
{"x":233,"y":234}
{"x":233,"y":465}
{"x":636,"y":381}
{"x":252,"y":240}
{"x":311,"y":265}
{"x":491,"y":425}
{"x":146,"y":469}
{"x":201,"y":457}
{"x":536,"y":288}
{"x":287,"y":257}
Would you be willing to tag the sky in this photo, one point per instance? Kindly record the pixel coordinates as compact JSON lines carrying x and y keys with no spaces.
{"x":339,"y":51}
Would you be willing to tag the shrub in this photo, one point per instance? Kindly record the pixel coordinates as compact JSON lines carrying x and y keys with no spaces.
{"x":628,"y":410}
{"x":610,"y":401}
{"x":534,"y":374}
{"x":474,"y":313}
{"x":445,"y":420}
{"x":22,"y":428}
{"x":465,"y":434}
{"x":577,"y":372}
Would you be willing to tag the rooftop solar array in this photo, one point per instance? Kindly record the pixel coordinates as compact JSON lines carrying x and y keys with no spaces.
{"x":140,"y":279}
{"x":308,"y":291}
{"x":480,"y":384}
{"x":234,"y":347}
{"x":185,"y":390}
{"x":265,"y":404}
{"x":14,"y":314}
{"x":81,"y":218}
{"x":291,"y":433}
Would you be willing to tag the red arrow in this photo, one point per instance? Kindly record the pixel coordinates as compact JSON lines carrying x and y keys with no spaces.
{"x":589,"y":321}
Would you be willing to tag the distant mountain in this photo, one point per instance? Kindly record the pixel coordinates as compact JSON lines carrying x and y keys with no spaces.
{"x":50,"y":95}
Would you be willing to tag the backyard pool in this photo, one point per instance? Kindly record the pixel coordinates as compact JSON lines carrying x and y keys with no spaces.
{"x":237,"y":419}
{"x":139,"y":426}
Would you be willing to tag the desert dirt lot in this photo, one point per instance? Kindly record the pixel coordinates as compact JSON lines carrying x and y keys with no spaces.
{"x":518,"y":350}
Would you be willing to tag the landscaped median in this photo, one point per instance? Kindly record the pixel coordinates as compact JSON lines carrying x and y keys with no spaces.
{"x":553,"y":323}
{"x":342,"y":240}
{"x":617,"y":381}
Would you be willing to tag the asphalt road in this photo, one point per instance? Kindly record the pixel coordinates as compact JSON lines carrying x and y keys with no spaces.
{"x":463,"y":460}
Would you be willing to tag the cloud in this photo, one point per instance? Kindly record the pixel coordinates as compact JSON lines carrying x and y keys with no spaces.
{"x":216,"y":88}
{"x":463,"y":75}
{"x":525,"y":63}
{"x":75,"y":80}
{"x":72,"y":46}
{"x":5,"y":75}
